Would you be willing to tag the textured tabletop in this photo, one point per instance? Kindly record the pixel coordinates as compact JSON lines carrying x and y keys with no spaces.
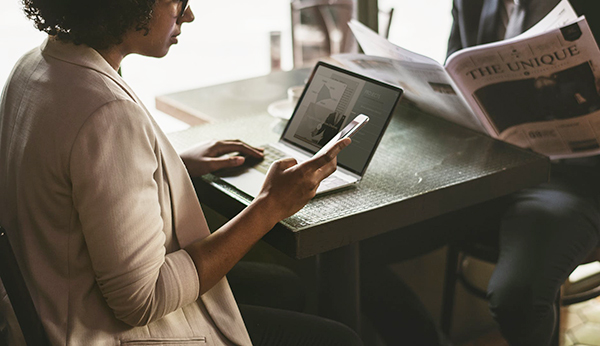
{"x":230,"y":100}
{"x":424,"y":167}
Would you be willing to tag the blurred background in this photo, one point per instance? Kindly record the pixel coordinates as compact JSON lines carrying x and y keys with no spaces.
{"x":229,"y":40}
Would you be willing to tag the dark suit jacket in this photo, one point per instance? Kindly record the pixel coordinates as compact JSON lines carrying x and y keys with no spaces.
{"x":475,"y":21}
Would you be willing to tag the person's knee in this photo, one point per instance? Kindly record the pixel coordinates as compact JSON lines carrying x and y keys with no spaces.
{"x":552,"y":207}
{"x":551,"y":221}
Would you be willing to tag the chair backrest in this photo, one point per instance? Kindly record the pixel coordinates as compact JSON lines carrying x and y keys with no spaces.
{"x":320,"y":28}
{"x":385,"y":22}
{"x":19,"y":296}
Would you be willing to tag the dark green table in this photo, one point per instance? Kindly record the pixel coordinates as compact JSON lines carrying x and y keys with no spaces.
{"x":425,"y":167}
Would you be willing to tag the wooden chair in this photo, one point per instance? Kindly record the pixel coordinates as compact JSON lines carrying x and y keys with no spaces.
{"x":320,"y":29}
{"x":19,"y":296}
{"x":486,"y":249}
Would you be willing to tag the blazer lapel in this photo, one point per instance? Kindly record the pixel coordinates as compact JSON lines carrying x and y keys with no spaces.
{"x":225,"y":313}
{"x":190,"y":225}
{"x":488,"y":22}
{"x":188,"y":219}
{"x":536,"y":10}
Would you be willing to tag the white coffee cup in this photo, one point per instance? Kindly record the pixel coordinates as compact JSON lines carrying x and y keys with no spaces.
{"x":294,"y":93}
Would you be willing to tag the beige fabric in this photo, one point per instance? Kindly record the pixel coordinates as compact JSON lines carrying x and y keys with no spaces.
{"x":101,"y":203}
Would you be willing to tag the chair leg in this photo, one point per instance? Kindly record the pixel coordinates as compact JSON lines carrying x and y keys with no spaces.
{"x":449,"y":289}
{"x":556,"y":336}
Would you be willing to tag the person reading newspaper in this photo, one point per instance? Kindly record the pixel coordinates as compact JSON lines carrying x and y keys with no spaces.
{"x":544,"y":231}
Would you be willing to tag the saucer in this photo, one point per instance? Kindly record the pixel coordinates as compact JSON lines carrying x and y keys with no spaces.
{"x":282,"y":109}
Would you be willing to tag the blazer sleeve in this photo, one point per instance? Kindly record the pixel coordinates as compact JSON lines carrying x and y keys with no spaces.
{"x":113,"y":163}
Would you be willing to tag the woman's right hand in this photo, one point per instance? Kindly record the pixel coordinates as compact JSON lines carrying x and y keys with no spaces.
{"x":289,"y":185}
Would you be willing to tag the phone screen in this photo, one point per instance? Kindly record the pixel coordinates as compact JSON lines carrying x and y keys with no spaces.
{"x":348,"y":131}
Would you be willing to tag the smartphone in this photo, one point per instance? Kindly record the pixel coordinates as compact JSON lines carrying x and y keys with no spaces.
{"x":348,"y":131}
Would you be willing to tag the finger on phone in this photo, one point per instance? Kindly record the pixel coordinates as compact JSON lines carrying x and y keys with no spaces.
{"x":326,"y":170}
{"x":331,"y":153}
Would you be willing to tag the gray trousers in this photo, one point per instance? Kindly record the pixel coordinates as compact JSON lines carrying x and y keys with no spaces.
{"x":544,"y":234}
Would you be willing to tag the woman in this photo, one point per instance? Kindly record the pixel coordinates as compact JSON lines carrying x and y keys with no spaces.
{"x":105,"y":222}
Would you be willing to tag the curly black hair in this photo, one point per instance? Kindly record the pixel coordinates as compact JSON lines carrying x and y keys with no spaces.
{"x":97,"y":23}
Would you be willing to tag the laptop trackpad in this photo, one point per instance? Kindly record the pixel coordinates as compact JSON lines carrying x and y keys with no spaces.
{"x":249,"y":182}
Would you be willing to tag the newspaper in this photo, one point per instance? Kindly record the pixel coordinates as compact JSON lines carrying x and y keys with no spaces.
{"x":539,"y":90}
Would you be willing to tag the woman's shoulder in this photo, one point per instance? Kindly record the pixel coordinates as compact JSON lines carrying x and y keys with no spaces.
{"x":81,"y":73}
{"x":50,"y":91}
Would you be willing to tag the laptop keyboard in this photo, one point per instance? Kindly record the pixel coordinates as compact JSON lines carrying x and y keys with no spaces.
{"x":272,"y":154}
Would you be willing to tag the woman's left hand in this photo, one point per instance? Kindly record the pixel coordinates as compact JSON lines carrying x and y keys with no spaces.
{"x":210,"y":156}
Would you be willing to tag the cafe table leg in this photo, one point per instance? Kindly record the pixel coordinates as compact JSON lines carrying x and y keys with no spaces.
{"x":338,"y":284}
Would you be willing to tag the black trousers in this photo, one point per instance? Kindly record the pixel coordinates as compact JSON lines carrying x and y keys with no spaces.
{"x":270,"y":327}
{"x":271,"y":299}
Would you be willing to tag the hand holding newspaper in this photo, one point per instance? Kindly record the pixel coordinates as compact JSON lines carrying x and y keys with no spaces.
{"x":539,"y":90}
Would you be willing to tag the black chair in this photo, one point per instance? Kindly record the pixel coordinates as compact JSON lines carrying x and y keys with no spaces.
{"x":19,"y":296}
{"x":486,"y":249}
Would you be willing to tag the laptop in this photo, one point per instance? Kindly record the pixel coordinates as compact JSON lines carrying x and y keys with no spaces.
{"x":332,"y":97}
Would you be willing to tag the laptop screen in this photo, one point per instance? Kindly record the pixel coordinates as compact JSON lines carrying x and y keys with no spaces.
{"x":332,"y":98}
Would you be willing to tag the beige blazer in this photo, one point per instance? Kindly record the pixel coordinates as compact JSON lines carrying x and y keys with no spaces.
{"x":98,"y":204}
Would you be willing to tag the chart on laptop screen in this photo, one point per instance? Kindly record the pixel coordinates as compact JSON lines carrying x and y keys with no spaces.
{"x":323,"y":115}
